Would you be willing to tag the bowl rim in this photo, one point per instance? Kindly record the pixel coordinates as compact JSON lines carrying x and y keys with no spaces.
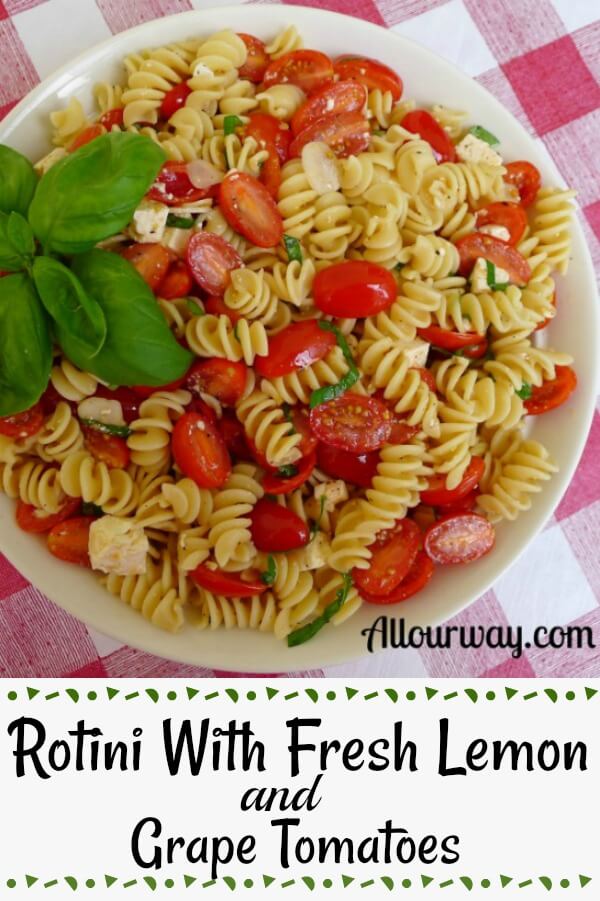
{"x":333,"y":652}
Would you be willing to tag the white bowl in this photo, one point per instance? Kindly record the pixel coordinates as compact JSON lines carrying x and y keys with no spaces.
{"x":427,"y":79}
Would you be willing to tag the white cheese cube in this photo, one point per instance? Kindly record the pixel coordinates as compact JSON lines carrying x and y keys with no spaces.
{"x":46,"y":162}
{"x":416,"y":353}
{"x":474,"y":150}
{"x":478,"y":277}
{"x":315,"y":554}
{"x":149,"y":222}
{"x":334,"y":492}
{"x":496,"y":231}
{"x":101,"y":409}
{"x":118,"y":545}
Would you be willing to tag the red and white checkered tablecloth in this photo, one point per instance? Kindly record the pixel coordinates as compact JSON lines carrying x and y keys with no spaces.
{"x":541,"y":58}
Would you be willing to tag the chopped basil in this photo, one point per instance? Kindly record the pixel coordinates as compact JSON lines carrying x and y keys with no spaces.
{"x":525,"y":391}
{"x":236,"y":332}
{"x":174,"y":221}
{"x":287,"y":471}
{"x":316,"y":524}
{"x":399,"y":266}
{"x":88,"y":509}
{"x":483,"y":134}
{"x":305,"y":633}
{"x":491,"y":278}
{"x":230,"y":123}
{"x":293,"y":248}
{"x":194,"y":307}
{"x":121,"y":431}
{"x":330,"y":392}
{"x":270,"y":574}
{"x":287,"y":412}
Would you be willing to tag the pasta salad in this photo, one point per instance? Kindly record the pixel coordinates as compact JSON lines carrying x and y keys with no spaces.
{"x":269,"y":335}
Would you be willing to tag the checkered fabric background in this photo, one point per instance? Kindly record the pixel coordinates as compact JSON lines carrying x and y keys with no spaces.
{"x":541,"y":58}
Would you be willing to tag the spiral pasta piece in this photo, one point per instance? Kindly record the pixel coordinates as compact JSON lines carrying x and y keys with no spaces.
{"x":175,"y":504}
{"x":32,"y":482}
{"x":517,"y":360}
{"x":250,"y":296}
{"x":214,"y":68}
{"x":153,"y":594}
{"x":111,"y":489}
{"x":71,"y":383}
{"x":287,"y":40}
{"x":281,"y":100}
{"x":216,"y":336}
{"x":267,"y":427}
{"x":211,"y":611}
{"x":296,"y":200}
{"x":229,"y":524}
{"x":551,"y":224}
{"x":150,"y":438}
{"x":292,"y":282}
{"x":520,"y":475}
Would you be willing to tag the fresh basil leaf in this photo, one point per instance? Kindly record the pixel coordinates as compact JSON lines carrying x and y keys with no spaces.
{"x":78,"y":319}
{"x":399,"y":267}
{"x":230,"y":123}
{"x":330,"y":392}
{"x":525,"y":391}
{"x":18,"y":181}
{"x":478,"y":131}
{"x":287,"y":471}
{"x":491,"y":278}
{"x":194,"y":307}
{"x":305,"y":633}
{"x":270,"y":574}
{"x":89,"y":509}
{"x":236,"y":332}
{"x":25,"y":346}
{"x":139,"y":348}
{"x":92,"y":193}
{"x":17,"y":244}
{"x":174,"y":221}
{"x":293,"y":248}
{"x":121,"y":431}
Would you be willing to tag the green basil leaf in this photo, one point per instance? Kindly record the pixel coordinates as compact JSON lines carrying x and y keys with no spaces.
{"x":140,"y":348}
{"x":17,"y":244}
{"x":89,"y":509}
{"x":194,"y":307}
{"x":483,"y":134}
{"x":230,"y":123}
{"x":305,"y":633}
{"x":287,"y":471}
{"x":25,"y":346}
{"x":18,"y":181}
{"x":121,"y":431}
{"x":78,"y":319}
{"x":92,"y":193}
{"x":270,"y":574}
{"x":174,"y":221}
{"x":330,"y":392}
{"x":491,"y":278}
{"x":293,"y":248}
{"x":525,"y":391}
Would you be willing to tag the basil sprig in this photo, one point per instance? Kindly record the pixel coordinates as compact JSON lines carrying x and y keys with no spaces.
{"x":525,"y":391}
{"x":491,"y":278}
{"x":174,"y":221}
{"x":93,"y":304}
{"x":293,"y":248}
{"x":230,"y":123}
{"x":483,"y":134}
{"x":330,"y":392}
{"x":268,"y":576}
{"x":121,"y":431}
{"x":305,"y":633}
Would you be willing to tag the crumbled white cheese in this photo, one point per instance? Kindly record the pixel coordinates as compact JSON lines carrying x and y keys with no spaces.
{"x":496,"y":231}
{"x":149,"y":222}
{"x":101,"y":409}
{"x":416,"y":353}
{"x":474,"y":150}
{"x":478,"y":277}
{"x":334,"y":492}
{"x":46,"y":162}
{"x":118,"y":545}
{"x":315,"y":554}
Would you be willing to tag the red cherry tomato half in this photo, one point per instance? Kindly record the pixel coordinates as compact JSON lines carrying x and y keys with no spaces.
{"x":354,"y":288}
{"x":420,"y":122}
{"x":295,"y":347}
{"x":250,"y":209}
{"x":200,"y":452}
{"x":219,"y":378}
{"x":417,"y":578}
{"x":32,"y":519}
{"x":511,"y":216}
{"x":370,"y":73}
{"x":147,"y":390}
{"x":233,"y":434}
{"x":109,"y":449}
{"x":428,"y":377}
{"x":476,"y":351}
{"x":23,"y":425}
{"x":257,"y":59}
{"x":346,"y":134}
{"x":217,"y":307}
{"x":127,"y":397}
{"x":330,"y":100}
{"x":177,"y":282}
{"x":436,"y":493}
{"x":69,"y":540}
{"x":459,"y":539}
{"x":228,"y":584}
{"x":111,"y":118}
{"x":501,"y":254}
{"x":393,"y":553}
{"x":301,"y":423}
{"x":270,"y":173}
{"x":173,"y":186}
{"x":526,"y":179}
{"x":275,"y":528}
{"x":273,"y":483}
{"x":352,"y":422}
{"x":447,"y":339}
{"x":86,"y":136}
{"x":307,"y":69}
{"x":358,"y":469}
{"x":552,"y":393}
{"x":270,"y":131}
{"x":49,"y":400}
{"x":465,"y":505}
{"x":174,"y":99}
{"x":151,"y":261}
{"x":401,"y":432}
{"x":211,"y":259}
